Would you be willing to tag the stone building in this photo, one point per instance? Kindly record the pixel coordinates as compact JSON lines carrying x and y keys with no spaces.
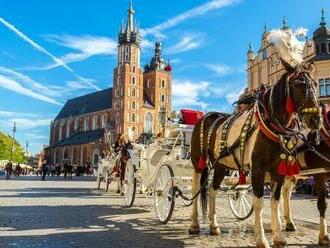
{"x":264,"y":67}
{"x":130,"y":107}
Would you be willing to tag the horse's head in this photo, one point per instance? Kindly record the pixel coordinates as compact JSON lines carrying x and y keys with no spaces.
{"x":301,"y":95}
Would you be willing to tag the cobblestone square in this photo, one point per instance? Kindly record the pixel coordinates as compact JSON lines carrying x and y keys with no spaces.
{"x":57,"y":213}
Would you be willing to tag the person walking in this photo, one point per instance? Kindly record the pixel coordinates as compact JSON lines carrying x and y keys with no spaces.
{"x":8,"y":169}
{"x":44,"y":169}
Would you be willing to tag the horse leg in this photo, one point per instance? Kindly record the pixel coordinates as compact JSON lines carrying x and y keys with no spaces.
{"x":194,"y":226}
{"x":321,"y":190}
{"x":286,"y":193}
{"x":258,"y":180}
{"x":219,"y":174}
{"x":278,"y":239}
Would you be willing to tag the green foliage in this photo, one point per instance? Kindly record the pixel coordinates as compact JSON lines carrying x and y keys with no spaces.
{"x":5,"y":149}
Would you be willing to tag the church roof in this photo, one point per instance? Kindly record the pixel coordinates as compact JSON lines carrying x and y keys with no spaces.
{"x":81,"y":138}
{"x":89,"y":103}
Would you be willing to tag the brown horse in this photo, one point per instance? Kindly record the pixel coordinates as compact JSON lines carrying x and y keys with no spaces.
{"x":313,"y":160}
{"x":255,"y":137}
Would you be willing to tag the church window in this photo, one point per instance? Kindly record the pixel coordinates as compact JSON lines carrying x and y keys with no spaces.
{"x":264,"y":54}
{"x":323,"y":48}
{"x":162,"y":98}
{"x":163,"y":83}
{"x":133,"y":80}
{"x":119,"y":80}
{"x":148,"y":123}
{"x":126,"y":54}
{"x":133,"y":69}
{"x":133,"y":117}
{"x":133,"y":105}
{"x":133,"y":92}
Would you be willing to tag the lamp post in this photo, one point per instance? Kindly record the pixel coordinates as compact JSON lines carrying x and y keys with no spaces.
{"x":162,"y":118}
{"x":12,"y":142}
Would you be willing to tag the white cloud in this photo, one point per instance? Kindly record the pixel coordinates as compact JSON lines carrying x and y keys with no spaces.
{"x":86,"y":47}
{"x":45,"y":51}
{"x":14,"y":86}
{"x":26,"y":123}
{"x":11,"y":114}
{"x":187,"y":93}
{"x":188,"y":42}
{"x":223,"y":69}
{"x":197,"y":11}
{"x":234,"y":95}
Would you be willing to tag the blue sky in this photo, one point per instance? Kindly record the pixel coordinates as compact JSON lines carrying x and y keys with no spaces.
{"x":51,"y":51}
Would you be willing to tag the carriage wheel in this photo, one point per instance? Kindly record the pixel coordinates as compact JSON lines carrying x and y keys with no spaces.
{"x":241,"y":203}
{"x":98,"y":181}
{"x":164,"y":194}
{"x":129,"y":183}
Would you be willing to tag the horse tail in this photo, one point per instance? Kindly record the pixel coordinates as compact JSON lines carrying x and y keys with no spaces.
{"x":203,"y":185}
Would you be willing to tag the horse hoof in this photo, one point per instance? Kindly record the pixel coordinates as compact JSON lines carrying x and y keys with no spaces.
{"x":215,"y":231}
{"x":193,"y":230}
{"x":263,"y":246}
{"x":279,"y":243}
{"x":325,"y":240}
{"x":290,"y":227}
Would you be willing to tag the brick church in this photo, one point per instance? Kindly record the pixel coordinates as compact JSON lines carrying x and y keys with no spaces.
{"x":130,"y":107}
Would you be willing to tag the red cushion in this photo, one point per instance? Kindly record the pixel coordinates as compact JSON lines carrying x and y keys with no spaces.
{"x":191,"y":117}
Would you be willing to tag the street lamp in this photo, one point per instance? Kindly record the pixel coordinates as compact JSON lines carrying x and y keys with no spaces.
{"x":162,"y":118}
{"x":12,"y":142}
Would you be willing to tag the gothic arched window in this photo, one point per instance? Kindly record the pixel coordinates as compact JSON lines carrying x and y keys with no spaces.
{"x":133,"y":117}
{"x":133,"y":92}
{"x":126,"y":54}
{"x":148,"y":123}
{"x":133,"y":105}
{"x":163,"y":83}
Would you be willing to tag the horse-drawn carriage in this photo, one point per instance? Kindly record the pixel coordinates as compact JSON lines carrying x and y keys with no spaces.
{"x":163,"y":170}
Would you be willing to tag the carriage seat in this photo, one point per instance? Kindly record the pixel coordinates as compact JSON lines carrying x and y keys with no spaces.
{"x":191,"y":117}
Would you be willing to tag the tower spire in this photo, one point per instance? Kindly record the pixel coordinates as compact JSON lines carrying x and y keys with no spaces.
{"x":323,"y":22}
{"x":130,"y":17}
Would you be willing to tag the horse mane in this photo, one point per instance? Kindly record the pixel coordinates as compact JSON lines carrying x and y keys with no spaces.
{"x":278,"y":97}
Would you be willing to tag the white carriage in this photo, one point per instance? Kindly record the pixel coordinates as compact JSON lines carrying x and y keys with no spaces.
{"x":162,"y":169}
{"x":106,"y":171}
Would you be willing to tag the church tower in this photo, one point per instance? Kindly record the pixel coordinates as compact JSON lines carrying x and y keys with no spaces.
{"x":158,"y":83}
{"x":127,"y":93}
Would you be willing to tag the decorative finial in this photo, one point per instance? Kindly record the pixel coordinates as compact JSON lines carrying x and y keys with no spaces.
{"x":323,"y":22}
{"x":250,"y":48}
{"x":265,"y":28}
{"x":285,"y":23}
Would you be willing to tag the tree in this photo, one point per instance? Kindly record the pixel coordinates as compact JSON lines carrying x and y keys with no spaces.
{"x":5,"y":148}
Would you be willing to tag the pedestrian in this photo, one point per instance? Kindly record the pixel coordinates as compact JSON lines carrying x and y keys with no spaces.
{"x":44,"y":169}
{"x":8,"y":169}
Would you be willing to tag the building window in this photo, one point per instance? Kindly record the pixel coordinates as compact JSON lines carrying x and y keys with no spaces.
{"x":67,"y":130}
{"x":126,"y":54}
{"x":76,"y":123}
{"x":133,"y":105}
{"x":133,"y":92}
{"x":264,"y":54}
{"x":148,"y":83}
{"x":133,"y":69}
{"x":119,"y":80}
{"x":324,"y":86}
{"x":148,"y":123}
{"x":133,"y":80}
{"x":85,"y":125}
{"x":162,"y":98}
{"x":163,"y":83}
{"x":95,"y":123}
{"x":323,"y":48}
{"x":133,"y":117}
